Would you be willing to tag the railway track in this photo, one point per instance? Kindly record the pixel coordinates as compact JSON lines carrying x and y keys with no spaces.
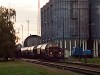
{"x":89,"y":70}
{"x":82,"y":64}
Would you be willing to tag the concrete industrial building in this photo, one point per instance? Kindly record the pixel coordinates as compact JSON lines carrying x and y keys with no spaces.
{"x":70,"y":24}
{"x":95,"y":25}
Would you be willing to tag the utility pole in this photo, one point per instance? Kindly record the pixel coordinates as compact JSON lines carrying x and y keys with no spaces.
{"x":79,"y":35}
{"x":63,"y":45}
{"x":38,"y":19}
{"x":22,"y":33}
{"x":28,"y":26}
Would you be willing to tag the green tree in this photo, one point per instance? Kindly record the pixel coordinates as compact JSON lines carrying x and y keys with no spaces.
{"x":7,"y":32}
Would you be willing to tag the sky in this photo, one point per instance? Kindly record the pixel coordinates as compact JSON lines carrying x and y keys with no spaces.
{"x":25,"y":10}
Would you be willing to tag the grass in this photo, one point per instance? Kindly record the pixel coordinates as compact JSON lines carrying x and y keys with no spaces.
{"x":94,"y":60}
{"x":90,"y":60}
{"x":24,"y":68}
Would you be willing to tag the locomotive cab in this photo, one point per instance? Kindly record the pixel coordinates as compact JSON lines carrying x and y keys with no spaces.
{"x":51,"y":52}
{"x":55,"y":53}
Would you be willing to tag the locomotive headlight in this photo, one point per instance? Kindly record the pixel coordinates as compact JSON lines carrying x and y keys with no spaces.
{"x":59,"y":52}
{"x":50,"y":52}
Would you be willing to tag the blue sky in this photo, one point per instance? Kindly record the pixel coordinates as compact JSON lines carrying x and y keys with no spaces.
{"x":26,"y":10}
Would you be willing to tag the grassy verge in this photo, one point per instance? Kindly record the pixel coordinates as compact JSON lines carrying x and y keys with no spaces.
{"x":94,"y":60}
{"x":24,"y":68}
{"x":90,"y":60}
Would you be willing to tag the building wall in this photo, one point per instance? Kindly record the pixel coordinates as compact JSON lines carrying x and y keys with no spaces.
{"x":80,"y":18}
{"x":95,"y":18}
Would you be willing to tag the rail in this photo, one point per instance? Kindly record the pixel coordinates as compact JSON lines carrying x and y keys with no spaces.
{"x":80,"y":69}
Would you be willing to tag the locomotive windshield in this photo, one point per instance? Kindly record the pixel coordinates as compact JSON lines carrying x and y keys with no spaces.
{"x":55,"y":48}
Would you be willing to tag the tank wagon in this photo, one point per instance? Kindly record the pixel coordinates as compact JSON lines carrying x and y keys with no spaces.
{"x":43,"y":51}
